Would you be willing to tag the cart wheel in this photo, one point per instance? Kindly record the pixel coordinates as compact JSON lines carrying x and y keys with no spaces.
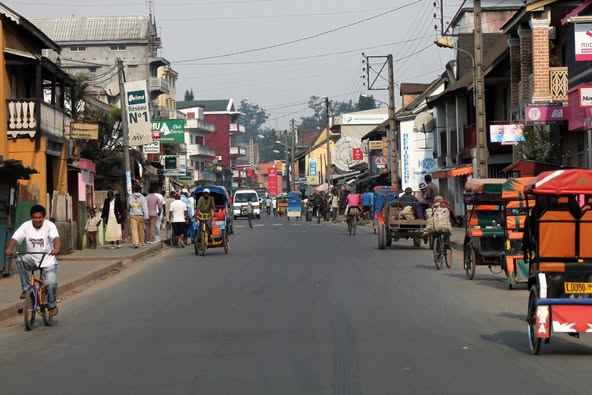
{"x":225,"y":243}
{"x":381,"y":237}
{"x":533,"y":341}
{"x":469,"y":262}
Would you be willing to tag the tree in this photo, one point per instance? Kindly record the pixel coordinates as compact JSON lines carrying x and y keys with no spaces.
{"x":539,"y":144}
{"x":318,"y":120}
{"x":189,"y":95}
{"x":254,"y":117}
{"x":366,"y":103}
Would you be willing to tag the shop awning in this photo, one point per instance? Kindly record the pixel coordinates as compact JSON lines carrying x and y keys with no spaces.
{"x":458,"y":171}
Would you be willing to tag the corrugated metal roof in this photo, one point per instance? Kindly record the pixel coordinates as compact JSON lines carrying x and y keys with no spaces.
{"x":79,"y":29}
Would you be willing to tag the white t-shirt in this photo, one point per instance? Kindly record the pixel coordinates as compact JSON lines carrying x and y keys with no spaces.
{"x":38,"y":240}
{"x":161,"y":198}
{"x":178,"y":209}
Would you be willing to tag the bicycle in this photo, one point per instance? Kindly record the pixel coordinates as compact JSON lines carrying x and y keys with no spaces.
{"x":202,"y":246}
{"x":352,"y":220}
{"x":35,"y":295}
{"x":442,"y":252}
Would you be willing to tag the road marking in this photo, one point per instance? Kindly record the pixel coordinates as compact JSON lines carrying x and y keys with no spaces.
{"x":278,"y":224}
{"x":259,"y":225}
{"x":239,"y":226}
{"x":296,"y":224}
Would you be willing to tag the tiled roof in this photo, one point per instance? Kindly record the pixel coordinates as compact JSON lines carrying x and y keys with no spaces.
{"x":308,"y":137}
{"x":81,"y":29}
{"x":410,"y":88}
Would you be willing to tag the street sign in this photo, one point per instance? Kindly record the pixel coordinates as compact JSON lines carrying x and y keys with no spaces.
{"x":171,"y":130}
{"x":357,"y":154}
{"x":375,"y":145}
{"x":138,"y":114}
{"x":380,"y":161}
{"x":153,"y":148}
{"x":188,"y":177}
{"x":300,"y":181}
{"x":84,"y":130}
{"x":312,"y":167}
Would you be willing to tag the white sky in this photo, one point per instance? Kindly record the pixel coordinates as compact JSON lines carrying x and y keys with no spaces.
{"x":201,"y":28}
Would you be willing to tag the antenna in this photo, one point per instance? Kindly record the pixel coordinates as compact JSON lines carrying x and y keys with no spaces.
{"x":150,"y":8}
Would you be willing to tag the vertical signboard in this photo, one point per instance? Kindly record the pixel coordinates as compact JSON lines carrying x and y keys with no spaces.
{"x":312,"y":167}
{"x":272,"y":181}
{"x":416,"y":161}
{"x":138,"y":113}
{"x":357,"y":154}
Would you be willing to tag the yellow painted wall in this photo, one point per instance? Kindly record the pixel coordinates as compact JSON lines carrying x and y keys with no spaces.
{"x":169,"y":100}
{"x":320,"y":152}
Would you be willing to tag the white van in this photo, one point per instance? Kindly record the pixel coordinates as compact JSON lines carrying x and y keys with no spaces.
{"x":241,"y":198}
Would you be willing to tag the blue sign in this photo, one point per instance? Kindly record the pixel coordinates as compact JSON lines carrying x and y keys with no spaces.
{"x":312,"y":167}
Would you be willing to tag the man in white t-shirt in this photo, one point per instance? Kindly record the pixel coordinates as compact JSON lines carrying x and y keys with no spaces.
{"x":40,"y":236}
{"x":179,"y":218}
{"x":160,"y":217}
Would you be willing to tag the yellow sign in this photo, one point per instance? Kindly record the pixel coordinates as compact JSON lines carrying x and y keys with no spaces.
{"x":375,"y":144}
{"x":84,"y":131}
{"x":312,"y":180}
{"x":279,"y":166}
{"x":578,"y":288}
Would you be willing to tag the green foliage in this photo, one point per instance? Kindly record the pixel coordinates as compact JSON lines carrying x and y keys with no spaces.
{"x":267,"y":145}
{"x":254,"y":117}
{"x":538,"y":145}
{"x":189,"y":95}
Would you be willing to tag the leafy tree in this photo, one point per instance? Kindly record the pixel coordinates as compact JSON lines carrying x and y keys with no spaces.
{"x":254,"y":117}
{"x":366,"y":103}
{"x":539,"y":145}
{"x":189,"y":95}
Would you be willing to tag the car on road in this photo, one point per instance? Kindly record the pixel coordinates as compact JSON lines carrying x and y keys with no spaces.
{"x":242,"y":198}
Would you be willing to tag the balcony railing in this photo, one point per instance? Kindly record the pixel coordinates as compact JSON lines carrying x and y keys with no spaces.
{"x":199,"y":125}
{"x":22,"y":119}
{"x":238,"y":151}
{"x":200,"y":150}
{"x":559,"y":84}
{"x":159,"y":85}
{"x":237,"y":128}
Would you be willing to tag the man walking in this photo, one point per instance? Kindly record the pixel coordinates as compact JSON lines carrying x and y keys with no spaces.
{"x":138,"y":213}
{"x":154,"y":211}
{"x":178,"y":217}
{"x":161,"y":217}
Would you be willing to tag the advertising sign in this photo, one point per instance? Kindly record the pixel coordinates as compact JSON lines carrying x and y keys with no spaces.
{"x":175,"y":166}
{"x":585,"y":96}
{"x":416,"y":160}
{"x":583,"y":40}
{"x":544,"y":113}
{"x":170,"y":162}
{"x":170,"y":130}
{"x":380,"y":162}
{"x":138,"y":113}
{"x":357,"y":154}
{"x":312,"y":167}
{"x":506,"y":133}
{"x":272,"y":181}
{"x":376,"y":144}
{"x":84,"y":131}
{"x":153,"y":148}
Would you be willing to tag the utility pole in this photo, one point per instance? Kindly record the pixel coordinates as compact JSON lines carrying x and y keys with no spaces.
{"x":482,"y":154}
{"x":126,"y":158}
{"x":393,"y":123}
{"x":287,"y":166}
{"x":292,"y":149}
{"x":328,"y":155}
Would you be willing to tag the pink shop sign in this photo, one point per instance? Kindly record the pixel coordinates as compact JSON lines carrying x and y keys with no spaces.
{"x":576,"y":115}
{"x":548,"y":113}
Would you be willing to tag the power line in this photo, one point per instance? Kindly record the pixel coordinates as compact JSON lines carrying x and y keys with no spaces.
{"x":300,"y":39}
{"x":127,"y":4}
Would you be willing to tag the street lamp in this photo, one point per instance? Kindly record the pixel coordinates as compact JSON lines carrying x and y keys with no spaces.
{"x":443,"y":42}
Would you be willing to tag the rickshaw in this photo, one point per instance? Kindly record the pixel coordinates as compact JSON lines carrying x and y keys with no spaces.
{"x":559,"y":253}
{"x":382,"y":195}
{"x":282,"y":204}
{"x":516,"y":210}
{"x":294,"y":205}
{"x":220,"y":223}
{"x":485,"y":237}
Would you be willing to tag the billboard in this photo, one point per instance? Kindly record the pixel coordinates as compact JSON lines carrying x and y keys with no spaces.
{"x":169,"y":130}
{"x":512,"y":133}
{"x":138,"y":113}
{"x":583,"y":40}
{"x":272,"y":181}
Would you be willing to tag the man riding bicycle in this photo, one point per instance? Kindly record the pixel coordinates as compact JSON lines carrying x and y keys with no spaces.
{"x":206,"y":205}
{"x":40,"y":236}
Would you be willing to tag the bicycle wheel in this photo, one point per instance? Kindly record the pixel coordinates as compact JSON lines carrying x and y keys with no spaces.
{"x":204,"y":243}
{"x":349,"y":226}
{"x":437,"y":251}
{"x":29,"y":310}
{"x":448,"y":258}
{"x":354,"y":225}
{"x":197,"y":244}
{"x":44,"y":309}
{"x":469,"y":262}
{"x":225,"y":243}
{"x":534,"y":342}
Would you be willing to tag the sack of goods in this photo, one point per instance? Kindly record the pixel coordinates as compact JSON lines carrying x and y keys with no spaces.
{"x":438,"y":220}
{"x":408,"y":213}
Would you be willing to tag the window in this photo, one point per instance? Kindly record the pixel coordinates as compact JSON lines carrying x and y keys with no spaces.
{"x":92,"y":69}
{"x":78,"y":49}
{"x":118,"y":47}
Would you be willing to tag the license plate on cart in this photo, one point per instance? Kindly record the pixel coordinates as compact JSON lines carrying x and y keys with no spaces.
{"x":578,"y":288}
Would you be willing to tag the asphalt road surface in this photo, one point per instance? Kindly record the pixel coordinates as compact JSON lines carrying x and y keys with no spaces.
{"x":294,"y":308}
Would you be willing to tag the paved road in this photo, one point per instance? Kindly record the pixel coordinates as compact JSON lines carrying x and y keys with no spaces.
{"x":293,"y":309}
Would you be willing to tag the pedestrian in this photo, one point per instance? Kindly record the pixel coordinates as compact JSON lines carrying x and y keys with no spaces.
{"x":366,"y":205}
{"x":112,"y":218}
{"x":40,"y":236}
{"x":138,"y":213}
{"x":334,"y":206}
{"x":431,"y":190}
{"x":160,"y":217}
{"x":91,"y":227}
{"x":154,"y":211}
{"x":123,"y":221}
{"x":274,"y":206}
{"x":178,"y":218}
{"x":190,"y":211}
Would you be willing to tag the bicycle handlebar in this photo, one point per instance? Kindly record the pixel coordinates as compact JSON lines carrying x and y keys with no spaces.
{"x":43,"y":255}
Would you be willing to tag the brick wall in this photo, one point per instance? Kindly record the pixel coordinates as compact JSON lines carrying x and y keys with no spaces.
{"x":540,"y":60}
{"x":525,"y":60}
{"x":514,"y":44}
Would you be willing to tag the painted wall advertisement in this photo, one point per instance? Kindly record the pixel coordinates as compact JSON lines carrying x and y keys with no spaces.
{"x":272,"y":181}
{"x":583,"y":39}
{"x":416,"y":157}
{"x":138,"y":113}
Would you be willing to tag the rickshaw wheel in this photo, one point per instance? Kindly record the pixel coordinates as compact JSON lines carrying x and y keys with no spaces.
{"x":381,"y":237}
{"x":469,"y":262}
{"x":225,"y":243}
{"x":533,"y":341}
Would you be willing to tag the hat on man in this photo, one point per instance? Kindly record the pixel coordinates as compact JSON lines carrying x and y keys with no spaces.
{"x":184,"y":190}
{"x":423,"y":186}
{"x":206,"y":190}
{"x":408,"y":190}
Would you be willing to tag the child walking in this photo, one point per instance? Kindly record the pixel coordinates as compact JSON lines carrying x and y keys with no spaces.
{"x":92,"y":225}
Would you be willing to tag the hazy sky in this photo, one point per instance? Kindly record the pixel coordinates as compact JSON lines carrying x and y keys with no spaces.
{"x":205,"y":28}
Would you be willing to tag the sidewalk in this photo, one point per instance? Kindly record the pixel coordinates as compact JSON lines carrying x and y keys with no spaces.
{"x":74,"y":270}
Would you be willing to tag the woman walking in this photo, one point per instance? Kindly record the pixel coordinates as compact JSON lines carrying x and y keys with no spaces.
{"x":112,"y":217}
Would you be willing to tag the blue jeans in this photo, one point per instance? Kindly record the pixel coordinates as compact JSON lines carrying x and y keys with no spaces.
{"x":158,"y":225}
{"x":48,"y":274}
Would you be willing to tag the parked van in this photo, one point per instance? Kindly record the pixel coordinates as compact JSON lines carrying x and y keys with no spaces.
{"x":241,"y":198}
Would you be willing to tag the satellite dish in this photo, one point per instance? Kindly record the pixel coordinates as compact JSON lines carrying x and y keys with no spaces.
{"x":424,"y":122}
{"x":341,"y":156}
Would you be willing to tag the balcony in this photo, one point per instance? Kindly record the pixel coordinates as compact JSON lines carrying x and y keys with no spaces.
{"x":559,"y":84}
{"x":22,"y":119}
{"x":200,"y":150}
{"x":237,"y":128}
{"x":238,"y":151}
{"x":159,"y":85}
{"x":199,"y":125}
